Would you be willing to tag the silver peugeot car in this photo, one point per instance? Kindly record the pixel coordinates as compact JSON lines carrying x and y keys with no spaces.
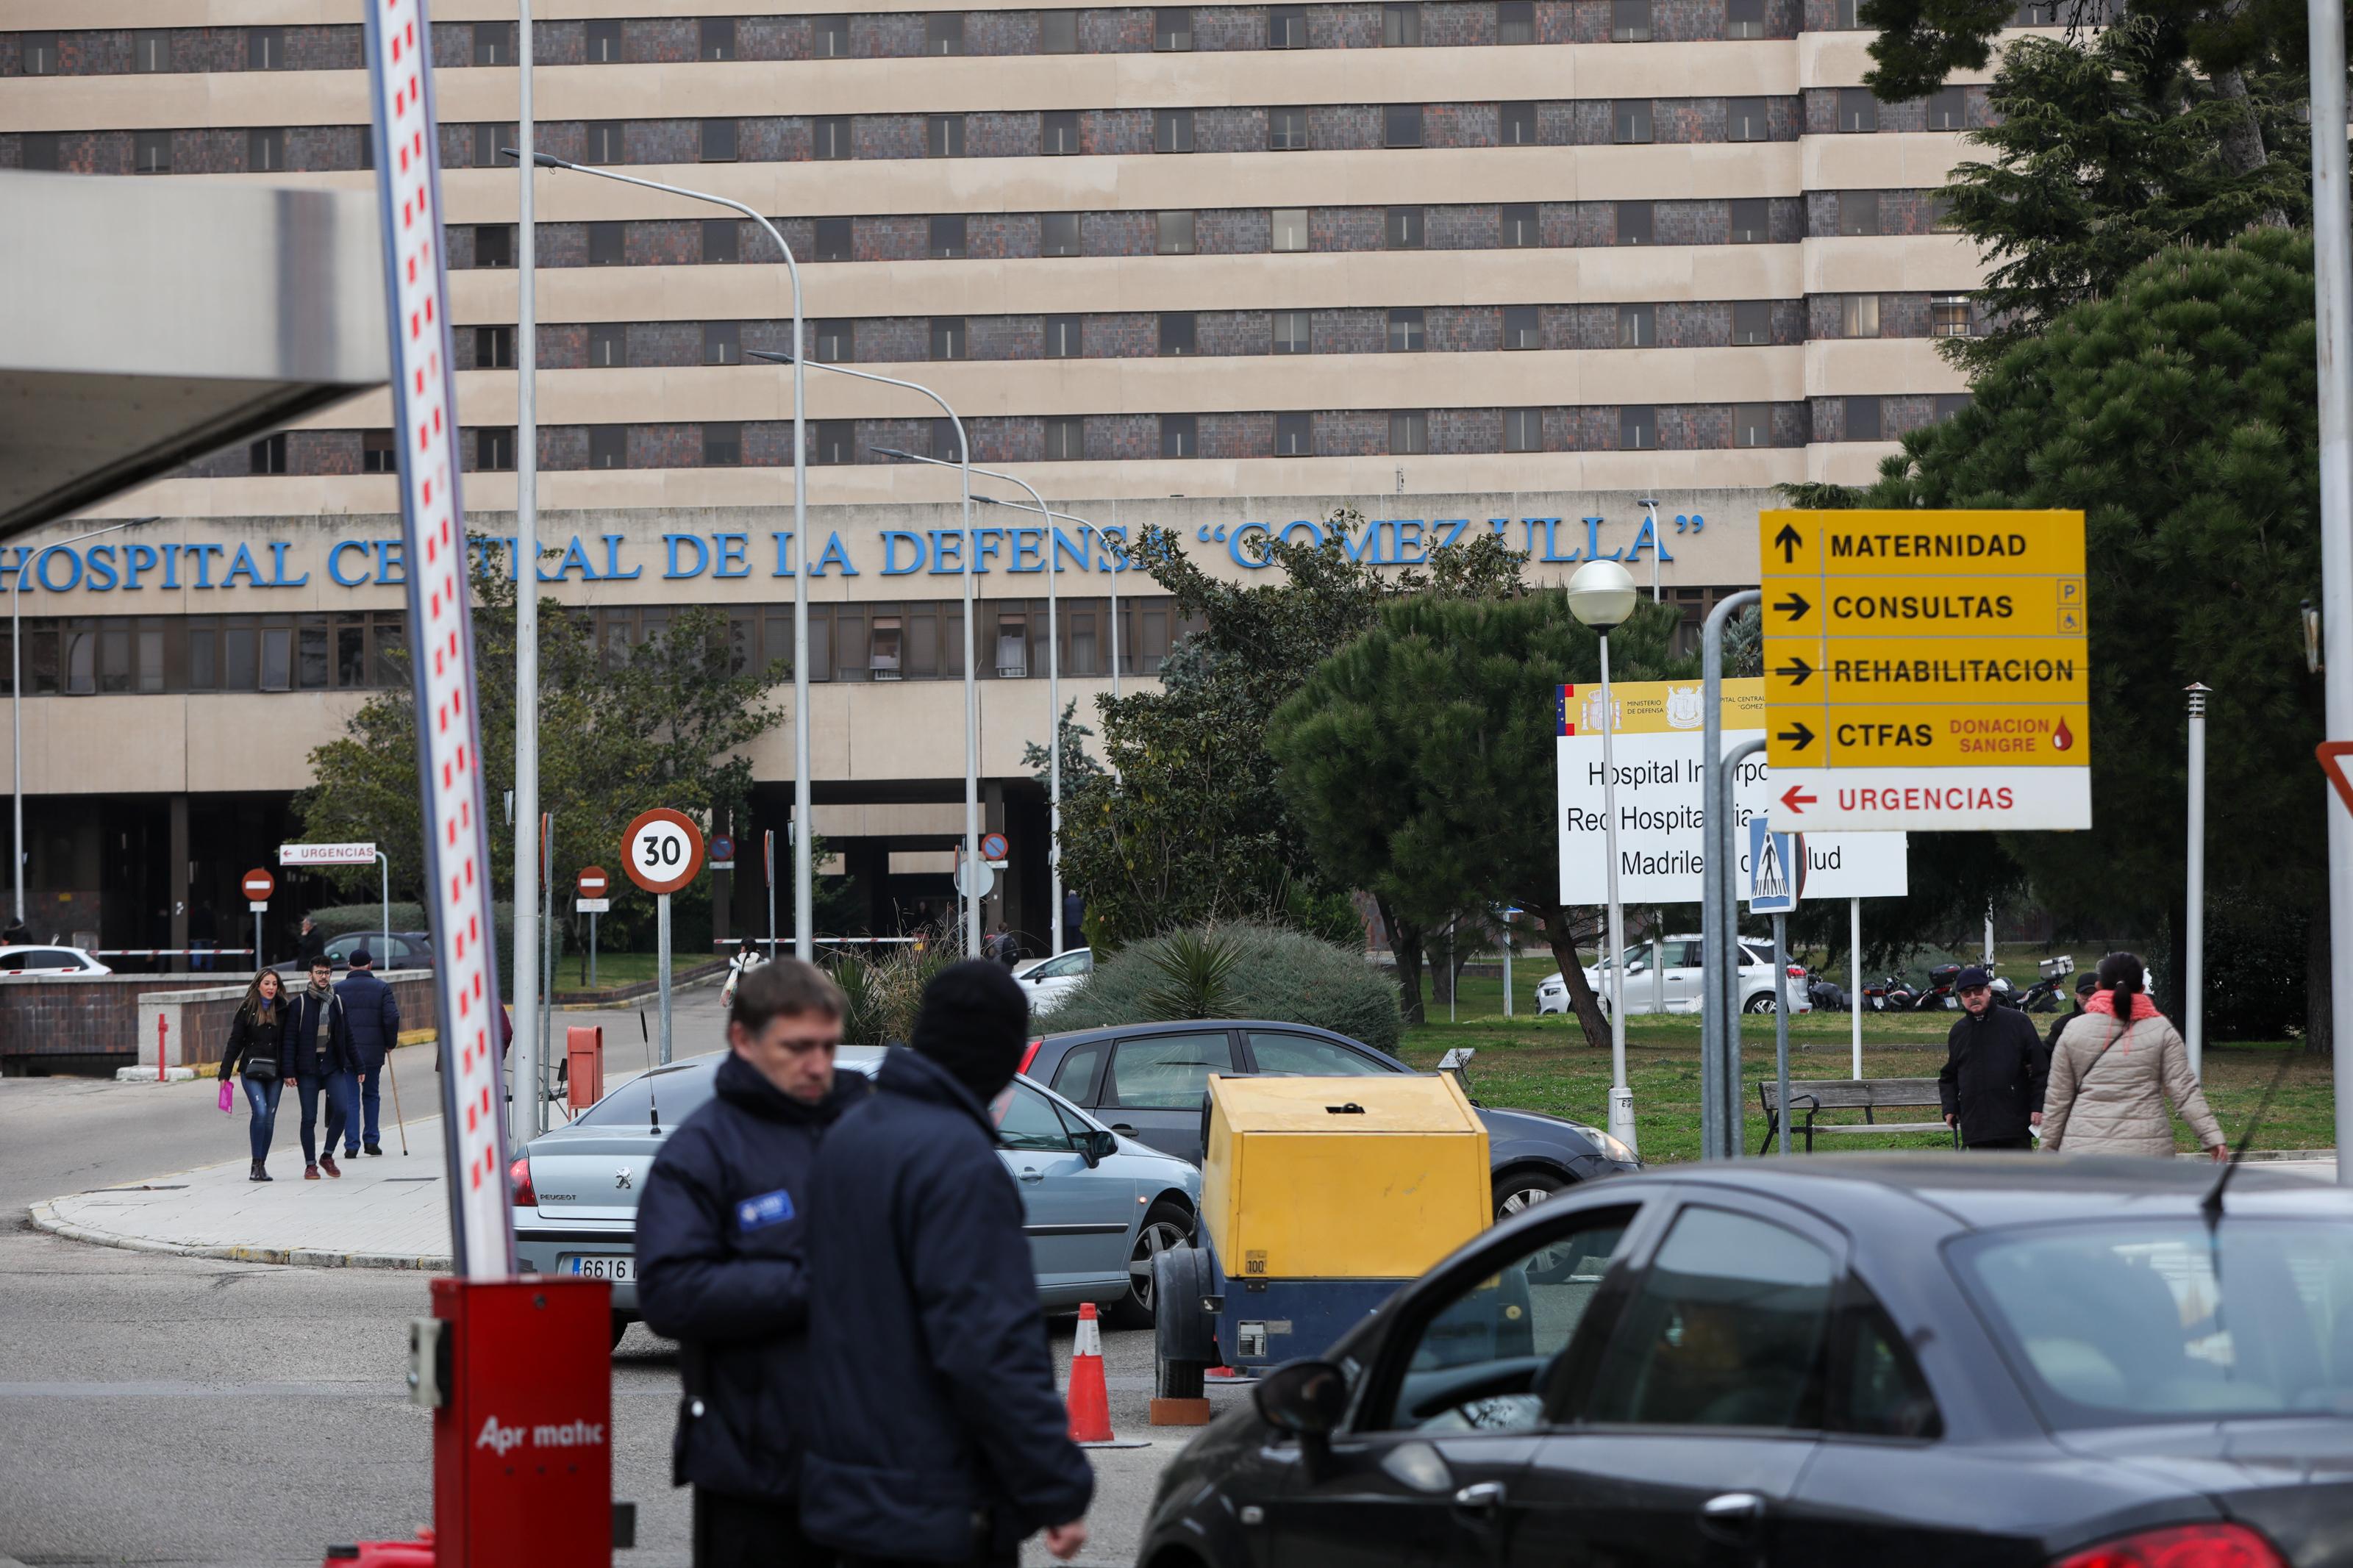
{"x":1097,"y":1206}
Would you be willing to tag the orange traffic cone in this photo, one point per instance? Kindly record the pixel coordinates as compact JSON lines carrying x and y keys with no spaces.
{"x":1090,"y":1396}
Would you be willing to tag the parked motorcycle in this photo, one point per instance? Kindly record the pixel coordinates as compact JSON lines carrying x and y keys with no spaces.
{"x":1938,"y":996}
{"x":1827,"y":995}
{"x":2044,"y":995}
{"x":1890,"y":993}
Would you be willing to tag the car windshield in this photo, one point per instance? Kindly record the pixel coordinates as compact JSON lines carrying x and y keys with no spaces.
{"x":2118,"y":1322}
{"x":678,"y":1091}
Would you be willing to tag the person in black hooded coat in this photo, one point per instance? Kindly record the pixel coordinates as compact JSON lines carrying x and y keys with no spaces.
{"x":937,"y":1435}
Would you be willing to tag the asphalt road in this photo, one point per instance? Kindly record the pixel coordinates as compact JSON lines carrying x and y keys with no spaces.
{"x":161,"y":1410}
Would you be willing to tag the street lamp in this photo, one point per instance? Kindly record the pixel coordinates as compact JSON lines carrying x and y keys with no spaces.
{"x":17,"y":689}
{"x":971,"y":608}
{"x":1602,"y":595}
{"x":803,"y":877}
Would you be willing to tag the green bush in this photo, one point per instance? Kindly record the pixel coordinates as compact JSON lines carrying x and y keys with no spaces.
{"x":1238,"y":971}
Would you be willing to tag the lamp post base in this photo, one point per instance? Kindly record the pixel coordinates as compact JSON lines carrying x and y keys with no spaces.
{"x":1621,"y":1116}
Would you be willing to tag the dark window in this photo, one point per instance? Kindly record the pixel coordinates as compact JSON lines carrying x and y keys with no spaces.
{"x":151,"y":153}
{"x":1858,"y":212}
{"x":311,"y":664}
{"x":1951,"y":402}
{"x":1058,"y":33}
{"x":1401,"y":26}
{"x":1524,"y":430}
{"x":1174,"y":233}
{"x":1948,"y":109}
{"x":1752,"y":425}
{"x":1177,"y":335}
{"x":607,"y":143}
{"x":1402,"y":125}
{"x":1630,"y":21}
{"x":1875,"y":1385}
{"x":943,"y":33}
{"x":1291,"y":331}
{"x":943,"y":136}
{"x":1515,"y":21}
{"x":1406,"y":331}
{"x":1058,"y":234}
{"x":608,"y":346}
{"x":265,"y":152}
{"x":150,"y":51}
{"x":1294,"y":434}
{"x":1064,"y":337}
{"x":1637,"y":428}
{"x":608,"y":446}
{"x":494,"y":447}
{"x":1065,"y":439}
{"x":494,"y":348}
{"x":1172,"y":29}
{"x":722,"y":241}
{"x":1751,"y":220}
{"x":829,"y":37}
{"x":830,"y":138}
{"x":494,"y":244}
{"x":493,"y":43}
{"x":948,"y":337}
{"x":1858,"y":315}
{"x":1516,"y":126}
{"x":489,"y":141}
{"x":1634,"y":223}
{"x":1286,"y":130}
{"x":1409,"y":433}
{"x":1950,"y":316}
{"x":1629,"y":120}
{"x":603,"y":43}
{"x":718,"y":141}
{"x":1058,"y":132}
{"x":833,"y":241}
{"x":1522,"y":329}
{"x":722,"y":446}
{"x":1637,"y":326}
{"x":1744,"y":18}
{"x":1863,"y":418}
{"x":722,"y":342}
{"x":1744,"y":120}
{"x":1402,"y":230}
{"x":1521,"y":231}
{"x":40,"y":150}
{"x":1286,"y":27}
{"x":1752,"y":322}
{"x":2032,"y":14}
{"x":36,"y":53}
{"x":607,"y":246}
{"x":718,"y":37}
{"x":836,"y":442}
{"x":264,"y":48}
{"x":1172,"y":131}
{"x":1180,"y":436}
{"x":948,"y":236}
{"x":377,"y":453}
{"x":1857,"y":109}
{"x":944,"y":440}
{"x":834,"y":340}
{"x":269,"y":454}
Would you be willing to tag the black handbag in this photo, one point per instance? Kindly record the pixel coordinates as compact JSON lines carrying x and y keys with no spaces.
{"x":261,"y":1069}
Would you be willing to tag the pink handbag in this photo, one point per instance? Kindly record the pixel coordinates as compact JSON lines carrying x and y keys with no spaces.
{"x":227,"y":1095}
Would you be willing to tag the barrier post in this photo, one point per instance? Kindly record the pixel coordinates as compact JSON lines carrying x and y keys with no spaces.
{"x":163,"y":1033}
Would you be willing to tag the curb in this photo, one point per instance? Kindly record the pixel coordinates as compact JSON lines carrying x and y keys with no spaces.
{"x":147,"y":1075}
{"x":45,"y":1217}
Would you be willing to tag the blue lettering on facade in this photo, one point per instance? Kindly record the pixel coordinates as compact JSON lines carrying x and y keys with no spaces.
{"x":1029,"y":545}
{"x":893,"y":538}
{"x":391,"y":564}
{"x":575,"y":557}
{"x":1593,"y":543}
{"x":702,"y":555}
{"x":947,"y":552}
{"x":278,"y":578}
{"x":100,"y":558}
{"x":41,"y":569}
{"x":613,"y":572}
{"x":834,"y":555}
{"x":732,"y":563}
{"x":138,"y":558}
{"x":335,"y":564}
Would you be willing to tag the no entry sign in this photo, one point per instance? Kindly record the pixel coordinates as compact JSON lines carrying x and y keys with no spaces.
{"x":258,"y":885}
{"x":594,"y":882}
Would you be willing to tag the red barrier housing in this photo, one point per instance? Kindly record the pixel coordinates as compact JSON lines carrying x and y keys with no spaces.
{"x":583,"y":1074}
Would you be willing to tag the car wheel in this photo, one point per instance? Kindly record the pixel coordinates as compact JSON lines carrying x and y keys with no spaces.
{"x":1760,"y":1002}
{"x":1165,"y":1225}
{"x":1516,"y":1192}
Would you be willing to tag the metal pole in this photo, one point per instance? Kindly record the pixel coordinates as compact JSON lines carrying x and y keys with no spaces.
{"x":384,"y":871}
{"x":546,"y":968}
{"x":1119,"y":563}
{"x":524,"y":974}
{"x":1854,"y":1003}
{"x":1507,"y":965}
{"x":1781,"y":1025}
{"x":592,"y":950}
{"x":2332,"y":225}
{"x":1659,"y":967}
{"x":1450,"y":968}
{"x":662,"y":967}
{"x":2194,"y":987}
{"x":1722,"y":810}
{"x":768,"y":860}
{"x":1622,"y":1097}
{"x":1714,"y":944}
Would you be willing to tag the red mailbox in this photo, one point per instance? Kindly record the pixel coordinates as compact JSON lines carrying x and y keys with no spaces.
{"x":583,"y":1073}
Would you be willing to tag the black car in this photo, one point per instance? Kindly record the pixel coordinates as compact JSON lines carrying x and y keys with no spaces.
{"x":1888,"y":1360}
{"x":1148,"y":1082}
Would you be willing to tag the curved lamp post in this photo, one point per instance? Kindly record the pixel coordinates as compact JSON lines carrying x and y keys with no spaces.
{"x":1602,"y":595}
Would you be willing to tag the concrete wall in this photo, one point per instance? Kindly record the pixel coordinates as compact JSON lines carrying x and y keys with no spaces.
{"x":109,"y":1020}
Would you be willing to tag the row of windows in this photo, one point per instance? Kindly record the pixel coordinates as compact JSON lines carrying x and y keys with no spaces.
{"x":1403,"y":24}
{"x":1219,"y":231}
{"x":1414,"y":329}
{"x":79,"y":656}
{"x":919,"y":640}
{"x":1118,"y":436}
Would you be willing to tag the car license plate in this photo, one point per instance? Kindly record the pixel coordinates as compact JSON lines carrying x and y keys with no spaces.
{"x":602,"y":1267}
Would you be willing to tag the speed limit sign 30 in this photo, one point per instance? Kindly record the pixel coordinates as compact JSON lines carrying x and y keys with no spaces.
{"x":662,"y":851}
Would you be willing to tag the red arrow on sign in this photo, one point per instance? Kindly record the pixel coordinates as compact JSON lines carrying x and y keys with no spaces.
{"x":1796,"y":803}
{"x":2332,"y":755}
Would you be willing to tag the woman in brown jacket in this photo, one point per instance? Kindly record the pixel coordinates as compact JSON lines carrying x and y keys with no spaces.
{"x":2114,"y":1068}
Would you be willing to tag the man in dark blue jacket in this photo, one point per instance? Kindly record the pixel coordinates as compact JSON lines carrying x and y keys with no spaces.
{"x":936,"y":1434}
{"x":373,"y":1013}
{"x":720,"y":1264}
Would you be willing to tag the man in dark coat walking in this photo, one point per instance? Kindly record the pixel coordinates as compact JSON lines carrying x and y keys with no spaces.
{"x":720,"y":1254}
{"x":2086,"y":986}
{"x":1992,"y":1084}
{"x":317,"y":1055}
{"x":937,"y":1435}
{"x":375,"y":1015}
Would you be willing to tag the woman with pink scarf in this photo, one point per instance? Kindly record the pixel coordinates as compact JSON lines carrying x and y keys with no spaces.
{"x":2113,"y":1071}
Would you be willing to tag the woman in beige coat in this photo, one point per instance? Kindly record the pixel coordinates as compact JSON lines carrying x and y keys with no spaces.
{"x":2110,"y":1080}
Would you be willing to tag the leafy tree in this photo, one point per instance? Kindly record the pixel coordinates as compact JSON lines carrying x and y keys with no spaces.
{"x":1419,"y":759}
{"x":2178,"y":415}
{"x":2103,"y":155}
{"x":1078,"y":767}
{"x":1188,"y":827}
{"x":666,"y":727}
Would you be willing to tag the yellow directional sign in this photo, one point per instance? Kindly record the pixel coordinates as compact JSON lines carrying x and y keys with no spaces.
{"x":1927,"y":669}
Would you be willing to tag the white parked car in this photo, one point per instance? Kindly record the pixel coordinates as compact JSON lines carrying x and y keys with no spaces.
{"x":32,"y":960}
{"x":1682,"y":974}
{"x":1048,"y":980}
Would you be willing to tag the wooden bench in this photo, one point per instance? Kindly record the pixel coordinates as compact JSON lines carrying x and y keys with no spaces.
{"x":1869,"y":1096}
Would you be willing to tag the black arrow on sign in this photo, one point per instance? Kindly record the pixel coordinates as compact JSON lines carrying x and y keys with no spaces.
{"x":1798,"y":735}
{"x":1797,"y":669}
{"x":1794,"y":606}
{"x":1788,"y":539}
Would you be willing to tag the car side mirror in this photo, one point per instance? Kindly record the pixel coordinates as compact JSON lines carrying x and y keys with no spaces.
{"x":1305,"y":1398}
{"x":1097,"y":1145}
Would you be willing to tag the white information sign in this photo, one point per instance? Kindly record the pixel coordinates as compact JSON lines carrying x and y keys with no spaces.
{"x":326,"y":854}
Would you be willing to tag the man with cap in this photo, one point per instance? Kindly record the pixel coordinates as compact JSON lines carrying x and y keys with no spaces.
{"x":1992,"y":1084}
{"x":375,"y":1015}
{"x":938,"y":1435}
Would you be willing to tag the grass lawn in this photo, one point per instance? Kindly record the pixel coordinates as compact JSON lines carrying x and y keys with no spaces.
{"x":1544,"y":1065}
{"x":614,"y":969}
